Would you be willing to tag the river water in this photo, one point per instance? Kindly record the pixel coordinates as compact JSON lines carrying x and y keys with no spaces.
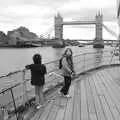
{"x":15,"y":59}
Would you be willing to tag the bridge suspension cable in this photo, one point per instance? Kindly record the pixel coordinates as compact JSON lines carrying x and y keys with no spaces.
{"x":110,"y":31}
{"x":48,"y":33}
{"x":115,"y":51}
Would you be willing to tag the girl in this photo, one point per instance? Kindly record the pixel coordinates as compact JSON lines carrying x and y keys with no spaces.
{"x":67,"y":71}
{"x":38,"y":71}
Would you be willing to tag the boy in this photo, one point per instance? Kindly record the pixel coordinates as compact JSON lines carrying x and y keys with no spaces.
{"x":38,"y":71}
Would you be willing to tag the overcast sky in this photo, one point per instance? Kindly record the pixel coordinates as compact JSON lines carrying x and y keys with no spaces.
{"x":38,"y":15}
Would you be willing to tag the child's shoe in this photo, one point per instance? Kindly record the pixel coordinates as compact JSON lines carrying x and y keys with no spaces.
{"x":38,"y":106}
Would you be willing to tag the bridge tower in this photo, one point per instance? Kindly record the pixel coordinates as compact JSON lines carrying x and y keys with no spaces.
{"x":98,"y":42}
{"x":58,"y":27}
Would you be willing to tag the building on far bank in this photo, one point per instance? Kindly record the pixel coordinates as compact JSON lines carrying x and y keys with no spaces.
{"x":13,"y":37}
{"x":20,"y":36}
{"x":3,"y":38}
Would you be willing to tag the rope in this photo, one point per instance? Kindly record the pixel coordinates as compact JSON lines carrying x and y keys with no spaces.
{"x":113,"y":53}
{"x":117,"y":44}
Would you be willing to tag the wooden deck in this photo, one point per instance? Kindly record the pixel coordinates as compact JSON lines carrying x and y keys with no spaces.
{"x":96,"y":96}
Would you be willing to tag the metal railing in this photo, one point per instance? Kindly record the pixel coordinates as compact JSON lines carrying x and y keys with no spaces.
{"x":13,"y":96}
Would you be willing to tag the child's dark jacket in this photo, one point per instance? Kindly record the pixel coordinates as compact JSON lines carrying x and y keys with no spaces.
{"x":38,"y":72}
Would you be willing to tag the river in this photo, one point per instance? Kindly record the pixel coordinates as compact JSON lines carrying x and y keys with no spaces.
{"x":15,"y":59}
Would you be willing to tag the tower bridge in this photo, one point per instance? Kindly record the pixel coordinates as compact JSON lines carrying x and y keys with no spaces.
{"x":98,"y":22}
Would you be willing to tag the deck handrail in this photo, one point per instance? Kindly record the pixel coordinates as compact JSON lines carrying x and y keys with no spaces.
{"x":83,"y":58}
{"x":47,"y":63}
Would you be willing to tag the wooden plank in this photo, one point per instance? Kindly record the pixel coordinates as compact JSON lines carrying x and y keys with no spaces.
{"x":48,"y":107}
{"x":112,"y":85}
{"x":108,"y":80}
{"x":97,"y":101}
{"x":53,"y":111}
{"x":61,"y":111}
{"x":106,"y":109}
{"x":112,"y":91}
{"x":97,"y":81}
{"x":84,"y":107}
{"x":90,"y":101}
{"x":112,"y":81}
{"x":109,"y":100}
{"x":114,"y":72}
{"x":46,"y":110}
{"x":116,"y":106}
{"x":106,"y":106}
{"x":69,"y":108}
{"x":76,"y":107}
{"x":32,"y":114}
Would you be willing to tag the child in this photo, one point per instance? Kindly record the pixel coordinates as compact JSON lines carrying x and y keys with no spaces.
{"x":38,"y":71}
{"x":67,"y":71}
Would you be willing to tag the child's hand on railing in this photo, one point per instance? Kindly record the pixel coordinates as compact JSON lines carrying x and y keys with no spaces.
{"x":73,"y":74}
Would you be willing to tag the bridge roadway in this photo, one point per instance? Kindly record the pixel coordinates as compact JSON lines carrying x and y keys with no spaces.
{"x":79,"y":23}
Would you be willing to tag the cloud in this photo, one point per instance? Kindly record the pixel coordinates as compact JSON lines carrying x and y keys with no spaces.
{"x":80,"y":4}
{"x":26,"y":14}
{"x":88,"y":8}
{"x":35,"y":18}
{"x":7,"y":3}
{"x":26,"y":11}
{"x":89,"y":14}
{"x":50,"y":3}
{"x":38,"y":15}
{"x":47,"y":3}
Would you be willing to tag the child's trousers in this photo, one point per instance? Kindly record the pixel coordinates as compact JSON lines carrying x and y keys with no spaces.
{"x":67,"y":83}
{"x":39,"y":94}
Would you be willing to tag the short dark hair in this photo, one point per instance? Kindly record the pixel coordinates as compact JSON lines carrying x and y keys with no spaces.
{"x":37,"y":58}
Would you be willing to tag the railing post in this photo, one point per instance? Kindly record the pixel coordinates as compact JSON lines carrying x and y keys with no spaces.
{"x":95,"y":60}
{"x":25,"y":97}
{"x":1,"y":113}
{"x":14,"y":104}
